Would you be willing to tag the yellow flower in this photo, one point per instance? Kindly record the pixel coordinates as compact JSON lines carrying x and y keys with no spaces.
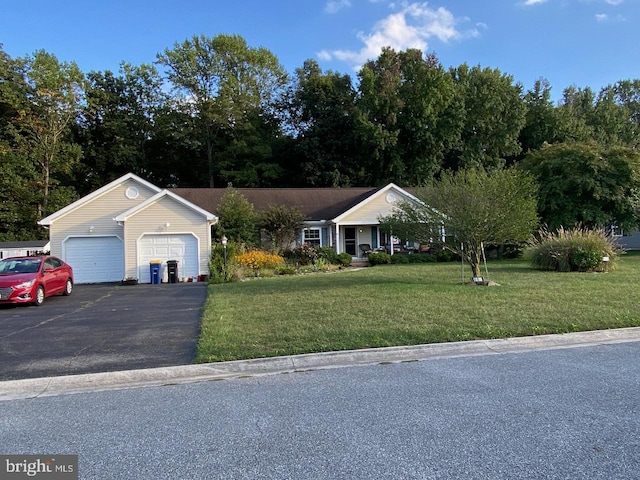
{"x":257,"y":259}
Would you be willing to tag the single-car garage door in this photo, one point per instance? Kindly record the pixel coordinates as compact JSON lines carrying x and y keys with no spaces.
{"x":181,"y":247}
{"x":95,"y":259}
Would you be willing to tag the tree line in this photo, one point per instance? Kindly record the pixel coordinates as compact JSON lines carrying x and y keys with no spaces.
{"x":213,"y":111}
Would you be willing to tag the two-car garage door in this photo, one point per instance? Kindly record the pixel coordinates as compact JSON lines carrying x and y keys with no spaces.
{"x":101,"y":259}
{"x":95,"y":259}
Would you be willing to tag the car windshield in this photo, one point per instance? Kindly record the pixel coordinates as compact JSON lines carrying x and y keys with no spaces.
{"x":19,"y":265}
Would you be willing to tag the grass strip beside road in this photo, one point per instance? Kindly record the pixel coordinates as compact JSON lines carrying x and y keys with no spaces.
{"x":409,"y":305}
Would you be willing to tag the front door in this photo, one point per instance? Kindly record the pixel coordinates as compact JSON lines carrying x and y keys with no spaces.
{"x":350,"y":240}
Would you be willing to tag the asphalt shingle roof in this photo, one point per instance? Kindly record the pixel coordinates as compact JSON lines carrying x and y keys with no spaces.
{"x":315,"y":203}
{"x":24,"y":244}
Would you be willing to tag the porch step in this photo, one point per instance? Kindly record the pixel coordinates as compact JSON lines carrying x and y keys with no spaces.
{"x":360,"y":262}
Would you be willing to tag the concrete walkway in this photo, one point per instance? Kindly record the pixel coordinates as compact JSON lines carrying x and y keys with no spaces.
{"x":52,"y":386}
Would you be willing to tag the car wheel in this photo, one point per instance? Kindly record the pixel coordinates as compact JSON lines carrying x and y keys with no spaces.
{"x":68,"y":288}
{"x":39,"y":300}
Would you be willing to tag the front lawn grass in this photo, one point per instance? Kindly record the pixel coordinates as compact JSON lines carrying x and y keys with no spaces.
{"x":409,"y":305}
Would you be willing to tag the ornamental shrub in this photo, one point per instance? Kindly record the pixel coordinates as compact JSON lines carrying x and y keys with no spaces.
{"x":217,"y":271}
{"x":399,"y":259}
{"x":305,"y":254}
{"x":422,"y":258}
{"x":329,"y":254}
{"x":444,"y":255}
{"x":576,"y":250}
{"x":379,"y":258}
{"x":343,"y":259}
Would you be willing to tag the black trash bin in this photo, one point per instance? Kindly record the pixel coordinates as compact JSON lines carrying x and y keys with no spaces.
{"x":172,"y":271}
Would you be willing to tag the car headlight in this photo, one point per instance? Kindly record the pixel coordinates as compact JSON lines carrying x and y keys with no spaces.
{"x":26,"y":284}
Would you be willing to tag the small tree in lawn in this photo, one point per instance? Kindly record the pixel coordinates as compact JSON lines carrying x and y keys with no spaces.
{"x":475,"y":208}
{"x":283,"y":225}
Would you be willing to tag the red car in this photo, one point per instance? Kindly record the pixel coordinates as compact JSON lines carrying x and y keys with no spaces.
{"x":31,"y":279}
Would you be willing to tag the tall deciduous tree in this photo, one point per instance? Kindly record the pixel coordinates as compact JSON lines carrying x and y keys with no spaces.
{"x":587,"y":184}
{"x":494,"y":113}
{"x":409,"y":115}
{"x":541,"y":119}
{"x":322,"y":118}
{"x":18,"y":187}
{"x":627,"y":94}
{"x":117,"y":123}
{"x":475,"y":207}
{"x":575,"y":115}
{"x":223,"y":80}
{"x":54,"y":92}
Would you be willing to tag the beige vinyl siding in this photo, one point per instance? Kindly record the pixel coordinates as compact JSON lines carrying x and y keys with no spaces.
{"x":99,"y":213}
{"x":152,"y":220}
{"x":369,"y":212}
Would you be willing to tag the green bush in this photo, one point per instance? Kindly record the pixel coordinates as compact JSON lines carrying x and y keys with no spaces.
{"x":305,"y":254}
{"x":329,"y":254}
{"x":217,"y":271}
{"x":285,"y":270}
{"x":586,"y":260}
{"x":421,"y":258}
{"x":379,"y":258}
{"x":575,"y":250}
{"x":427,"y":258}
{"x":344,"y":259}
{"x":444,"y":256}
{"x":399,"y":259}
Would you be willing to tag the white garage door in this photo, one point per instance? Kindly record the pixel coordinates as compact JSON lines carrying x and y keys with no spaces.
{"x":183,"y":248}
{"x":95,"y":259}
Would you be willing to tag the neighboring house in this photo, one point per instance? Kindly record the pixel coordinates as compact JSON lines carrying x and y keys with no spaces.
{"x":628,"y":241}
{"x":114,"y":232}
{"x":24,"y":248}
{"x":343,"y":218}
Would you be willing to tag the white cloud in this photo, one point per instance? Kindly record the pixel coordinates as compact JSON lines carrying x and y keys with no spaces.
{"x":603,"y":17}
{"x":534,"y":2}
{"x":410,"y":27}
{"x":324,"y":55}
{"x":334,"y":6}
{"x":614,"y":2}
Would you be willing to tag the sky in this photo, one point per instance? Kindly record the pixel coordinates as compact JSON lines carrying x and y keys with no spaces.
{"x":582,"y":43}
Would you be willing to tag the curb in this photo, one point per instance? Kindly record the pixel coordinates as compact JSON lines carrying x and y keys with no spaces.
{"x":65,"y":385}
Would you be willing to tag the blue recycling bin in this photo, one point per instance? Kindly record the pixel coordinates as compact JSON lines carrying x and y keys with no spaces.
{"x":154,"y":272}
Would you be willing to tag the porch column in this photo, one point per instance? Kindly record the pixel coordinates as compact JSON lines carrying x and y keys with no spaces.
{"x":337,"y":238}
{"x":330,"y":234}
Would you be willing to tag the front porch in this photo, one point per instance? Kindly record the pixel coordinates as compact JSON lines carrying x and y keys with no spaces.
{"x":356,"y":240}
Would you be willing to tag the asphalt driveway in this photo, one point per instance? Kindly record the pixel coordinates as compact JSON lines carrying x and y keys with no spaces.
{"x":102,"y":328}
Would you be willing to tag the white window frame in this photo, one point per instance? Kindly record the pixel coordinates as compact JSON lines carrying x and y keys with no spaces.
{"x":616,"y":231}
{"x":310,"y":240}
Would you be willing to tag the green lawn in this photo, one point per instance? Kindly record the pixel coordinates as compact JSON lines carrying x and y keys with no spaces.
{"x":409,"y":305}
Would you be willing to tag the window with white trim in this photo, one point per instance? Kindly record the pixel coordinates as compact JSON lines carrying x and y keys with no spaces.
{"x":312,"y":236}
{"x":615,"y":230}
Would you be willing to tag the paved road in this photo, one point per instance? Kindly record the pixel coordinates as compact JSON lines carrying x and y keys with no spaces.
{"x":102,"y":328}
{"x":567,"y":413}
